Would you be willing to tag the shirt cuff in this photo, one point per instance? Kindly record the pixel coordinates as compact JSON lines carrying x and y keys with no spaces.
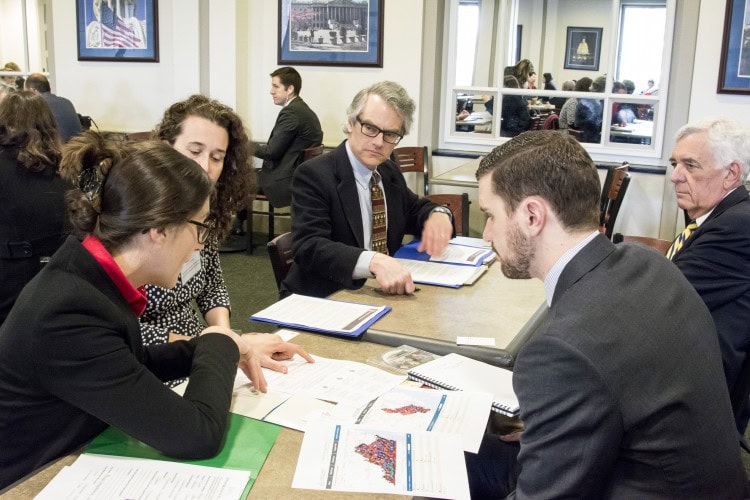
{"x":362,"y":269}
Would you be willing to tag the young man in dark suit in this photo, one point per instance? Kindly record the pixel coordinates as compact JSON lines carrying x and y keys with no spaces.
{"x":66,"y":117}
{"x":297,"y":128}
{"x":711,"y":160}
{"x":337,"y":239}
{"x":619,"y":385}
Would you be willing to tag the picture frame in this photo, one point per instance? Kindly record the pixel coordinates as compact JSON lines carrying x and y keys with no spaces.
{"x":583,"y":48}
{"x":119,"y":31}
{"x":734,"y":68}
{"x":319,"y":34}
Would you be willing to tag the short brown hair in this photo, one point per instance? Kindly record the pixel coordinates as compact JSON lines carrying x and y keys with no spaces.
{"x":143,"y":186}
{"x":289,"y":76}
{"x":26,"y":123}
{"x":237,"y":180}
{"x":549,"y":164}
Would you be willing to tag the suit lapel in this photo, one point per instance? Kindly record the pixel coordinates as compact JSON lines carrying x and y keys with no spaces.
{"x":587,"y":259}
{"x":347,"y":189}
{"x":739,"y":195}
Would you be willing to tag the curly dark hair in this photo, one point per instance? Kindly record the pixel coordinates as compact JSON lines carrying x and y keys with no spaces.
{"x":26,"y":124}
{"x":237,"y":180}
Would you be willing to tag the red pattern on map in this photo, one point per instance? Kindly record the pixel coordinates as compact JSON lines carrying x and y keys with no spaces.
{"x":381,"y":452}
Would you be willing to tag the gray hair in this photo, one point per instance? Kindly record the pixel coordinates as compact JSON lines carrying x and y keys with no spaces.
{"x":568,"y":85}
{"x":392,"y":93}
{"x":727,"y":140}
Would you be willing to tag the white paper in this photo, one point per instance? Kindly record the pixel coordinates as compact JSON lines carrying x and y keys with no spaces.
{"x":470,"y":242}
{"x":191,"y":267}
{"x":415,"y":409}
{"x":459,"y":254}
{"x":298,"y":411}
{"x":320,"y":314}
{"x":355,"y":458}
{"x":441,"y":274}
{"x":100,"y":476}
{"x":475,"y":341}
{"x":286,"y":335}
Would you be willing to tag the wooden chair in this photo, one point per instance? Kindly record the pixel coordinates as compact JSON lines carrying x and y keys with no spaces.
{"x":280,"y":252}
{"x":657,"y":244}
{"x":413,"y":159}
{"x":271,"y":213}
{"x":459,"y":206}
{"x":537,"y":122}
{"x":615,"y":186}
{"x":139,"y":136}
{"x":577,"y":134}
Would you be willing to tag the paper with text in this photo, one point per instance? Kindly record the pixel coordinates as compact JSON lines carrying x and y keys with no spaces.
{"x":433,"y":273}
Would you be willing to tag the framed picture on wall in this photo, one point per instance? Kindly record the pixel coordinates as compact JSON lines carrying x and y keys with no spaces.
{"x":117,"y":30}
{"x":582,"y":48}
{"x":734,"y":71}
{"x":331,"y":33}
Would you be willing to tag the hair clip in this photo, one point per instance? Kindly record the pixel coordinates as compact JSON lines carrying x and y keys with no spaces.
{"x":91,"y":181}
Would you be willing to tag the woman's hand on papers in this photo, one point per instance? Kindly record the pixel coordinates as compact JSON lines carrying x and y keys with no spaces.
{"x":436,"y":234}
{"x":391,"y":275}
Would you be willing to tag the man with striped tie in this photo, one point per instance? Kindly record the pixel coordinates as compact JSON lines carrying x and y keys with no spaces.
{"x":352,"y":207}
{"x":711,"y":160}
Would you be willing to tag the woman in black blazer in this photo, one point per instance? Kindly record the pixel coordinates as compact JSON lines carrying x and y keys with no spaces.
{"x":71,"y":357}
{"x":31,"y":192}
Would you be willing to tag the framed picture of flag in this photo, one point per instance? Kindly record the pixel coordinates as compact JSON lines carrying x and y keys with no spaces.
{"x":118,"y":30}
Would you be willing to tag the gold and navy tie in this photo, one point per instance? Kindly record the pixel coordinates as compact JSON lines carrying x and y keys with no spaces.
{"x":681,"y":239}
{"x":379,"y":234}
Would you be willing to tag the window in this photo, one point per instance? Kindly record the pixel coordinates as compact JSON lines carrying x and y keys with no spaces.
{"x":481,"y":106}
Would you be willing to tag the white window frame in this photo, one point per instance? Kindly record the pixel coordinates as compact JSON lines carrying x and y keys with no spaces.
{"x":605,"y":151}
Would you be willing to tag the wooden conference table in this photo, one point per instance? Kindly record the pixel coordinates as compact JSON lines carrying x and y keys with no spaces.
{"x":507,"y":310}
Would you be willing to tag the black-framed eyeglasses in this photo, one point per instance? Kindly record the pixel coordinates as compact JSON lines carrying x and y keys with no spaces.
{"x":371,"y":130}
{"x":203,"y":229}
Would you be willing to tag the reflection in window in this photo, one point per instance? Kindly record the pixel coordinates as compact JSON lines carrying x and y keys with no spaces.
{"x":641,"y":46}
{"x":632,"y":123}
{"x":474,"y":113}
{"x":466,"y":42}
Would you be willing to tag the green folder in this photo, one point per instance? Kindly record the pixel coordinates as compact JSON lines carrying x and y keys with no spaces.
{"x":247,"y":445}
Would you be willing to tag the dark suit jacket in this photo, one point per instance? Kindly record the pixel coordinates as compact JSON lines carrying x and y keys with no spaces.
{"x":65,"y":116}
{"x":716,"y":261}
{"x":297,"y":128}
{"x":72,"y":362}
{"x":621,"y":390}
{"x":32,"y":216}
{"x":327,"y":224}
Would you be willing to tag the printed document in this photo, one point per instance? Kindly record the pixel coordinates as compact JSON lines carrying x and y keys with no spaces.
{"x":434,"y":273}
{"x":340,"y":457}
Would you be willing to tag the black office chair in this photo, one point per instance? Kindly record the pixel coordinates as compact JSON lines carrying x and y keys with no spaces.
{"x":613,"y":192}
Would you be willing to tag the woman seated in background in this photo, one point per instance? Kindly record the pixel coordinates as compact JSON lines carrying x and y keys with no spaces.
{"x":210,"y":133}
{"x":515,"y":111}
{"x":567,"y":116}
{"x":71,"y":357}
{"x":588,"y":117}
{"x":31,"y":192}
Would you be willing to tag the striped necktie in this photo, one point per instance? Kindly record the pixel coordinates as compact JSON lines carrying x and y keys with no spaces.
{"x":379,"y":235}
{"x":681,"y":239}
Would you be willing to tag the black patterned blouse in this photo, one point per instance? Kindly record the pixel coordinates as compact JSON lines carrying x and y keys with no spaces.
{"x":172,"y":310}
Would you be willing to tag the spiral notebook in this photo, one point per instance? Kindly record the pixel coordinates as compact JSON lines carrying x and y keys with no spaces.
{"x":459,"y":373}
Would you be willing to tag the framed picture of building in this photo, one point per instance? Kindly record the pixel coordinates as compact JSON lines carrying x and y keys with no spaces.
{"x":331,"y":32}
{"x":734,"y":71}
{"x":582,"y":48}
{"x":117,"y":30}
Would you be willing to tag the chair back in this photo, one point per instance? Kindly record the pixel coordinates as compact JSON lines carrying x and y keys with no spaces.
{"x":552,"y":122}
{"x":412,"y":159}
{"x":615,"y":195}
{"x":280,"y":252}
{"x":537,"y":122}
{"x":577,"y":134}
{"x":459,"y":206}
{"x":657,"y":244}
{"x":139,"y":136}
{"x":312,"y":152}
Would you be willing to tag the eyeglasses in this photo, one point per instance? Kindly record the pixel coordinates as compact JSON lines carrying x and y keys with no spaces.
{"x":203,"y":229}
{"x":371,"y":130}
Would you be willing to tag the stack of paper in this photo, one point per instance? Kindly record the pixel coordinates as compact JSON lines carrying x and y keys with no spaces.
{"x":460,"y":264}
{"x":322,"y":315}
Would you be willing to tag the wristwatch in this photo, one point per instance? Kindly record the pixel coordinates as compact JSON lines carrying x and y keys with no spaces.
{"x":443,"y":210}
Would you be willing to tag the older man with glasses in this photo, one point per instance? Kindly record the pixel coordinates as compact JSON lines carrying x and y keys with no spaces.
{"x":352,"y":207}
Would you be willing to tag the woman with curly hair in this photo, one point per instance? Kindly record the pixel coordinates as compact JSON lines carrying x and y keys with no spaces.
{"x":210,"y":133}
{"x":31,"y":192}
